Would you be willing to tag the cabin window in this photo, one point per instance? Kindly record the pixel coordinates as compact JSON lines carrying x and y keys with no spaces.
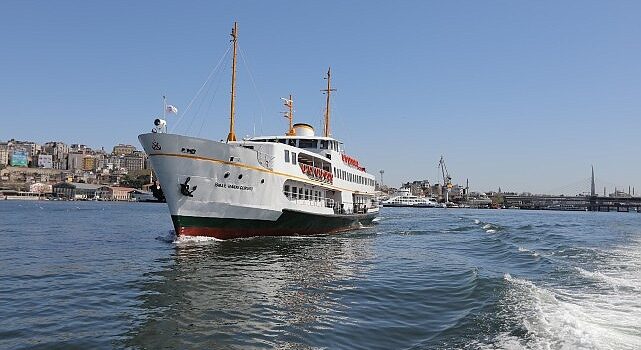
{"x":306,"y":194}
{"x":286,"y":156}
{"x":294,"y":193}
{"x":304,"y":143}
{"x":300,"y":193}
{"x":294,"y":158}
{"x":287,"y":193}
{"x":324,"y":144}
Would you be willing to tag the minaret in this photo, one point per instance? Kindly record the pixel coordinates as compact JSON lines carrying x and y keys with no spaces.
{"x":593,"y":187}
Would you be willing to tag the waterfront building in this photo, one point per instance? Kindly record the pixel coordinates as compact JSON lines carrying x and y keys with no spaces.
{"x":75,"y":161}
{"x":45,"y":161}
{"x":122,"y":150}
{"x":59,"y":152}
{"x":19,"y":157}
{"x":88,"y":163}
{"x":40,"y":188}
{"x":121,"y":193}
{"x":4,"y":154}
{"x":79,"y":148}
{"x":114,"y":193}
{"x":75,"y":190}
{"x":133,"y":163}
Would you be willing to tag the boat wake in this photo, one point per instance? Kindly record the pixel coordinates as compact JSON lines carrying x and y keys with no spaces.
{"x":559,"y":319}
{"x":169,"y":237}
{"x":186,"y":240}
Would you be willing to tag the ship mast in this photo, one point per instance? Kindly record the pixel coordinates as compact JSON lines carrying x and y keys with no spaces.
{"x":290,"y":115}
{"x":328,"y":91}
{"x":234,"y":36}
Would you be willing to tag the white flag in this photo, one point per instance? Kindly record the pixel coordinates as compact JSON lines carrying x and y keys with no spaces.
{"x":172,"y":109}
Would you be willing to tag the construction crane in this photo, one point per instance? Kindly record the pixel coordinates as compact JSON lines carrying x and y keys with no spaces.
{"x":447,"y":179}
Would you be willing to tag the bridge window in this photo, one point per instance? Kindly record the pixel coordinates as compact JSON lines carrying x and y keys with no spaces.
{"x":303,"y":143}
{"x":324,"y":144}
{"x":292,"y":142}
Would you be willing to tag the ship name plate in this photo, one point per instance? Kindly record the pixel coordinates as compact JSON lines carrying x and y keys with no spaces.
{"x":234,"y":186}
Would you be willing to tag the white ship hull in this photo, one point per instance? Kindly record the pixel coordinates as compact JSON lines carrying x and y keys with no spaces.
{"x":232,"y":190}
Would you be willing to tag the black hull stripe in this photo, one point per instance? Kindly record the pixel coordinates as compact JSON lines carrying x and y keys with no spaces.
{"x":289,"y":223}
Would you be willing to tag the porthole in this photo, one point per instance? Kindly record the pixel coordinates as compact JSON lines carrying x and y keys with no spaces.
{"x":262,"y":181}
{"x":226,"y":175}
{"x":240,"y":176}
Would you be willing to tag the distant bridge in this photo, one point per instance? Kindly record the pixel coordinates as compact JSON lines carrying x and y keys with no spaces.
{"x":577,"y":203}
{"x":618,"y":201}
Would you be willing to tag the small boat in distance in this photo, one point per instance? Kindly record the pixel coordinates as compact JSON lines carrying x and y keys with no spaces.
{"x":405,"y":198}
{"x":297,"y":183}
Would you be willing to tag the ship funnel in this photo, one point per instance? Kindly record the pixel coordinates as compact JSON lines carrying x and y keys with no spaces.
{"x":303,"y":129}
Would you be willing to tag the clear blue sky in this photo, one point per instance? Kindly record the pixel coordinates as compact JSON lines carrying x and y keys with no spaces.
{"x":525,"y":95}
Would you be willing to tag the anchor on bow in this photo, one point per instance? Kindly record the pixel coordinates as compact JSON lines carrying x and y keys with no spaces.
{"x":186,"y":189}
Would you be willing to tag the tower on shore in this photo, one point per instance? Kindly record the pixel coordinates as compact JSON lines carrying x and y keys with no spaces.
{"x":592,"y":185}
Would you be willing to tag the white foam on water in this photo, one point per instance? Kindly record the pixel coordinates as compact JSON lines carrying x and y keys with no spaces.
{"x":525,"y":250}
{"x":612,"y":280}
{"x":195,"y":239}
{"x":477,"y":221}
{"x":486,"y":226}
{"x":490,"y":231}
{"x":562,"y":319}
{"x":377,"y":219}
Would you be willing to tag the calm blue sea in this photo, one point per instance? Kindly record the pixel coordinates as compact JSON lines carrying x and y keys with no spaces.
{"x":86,"y":275}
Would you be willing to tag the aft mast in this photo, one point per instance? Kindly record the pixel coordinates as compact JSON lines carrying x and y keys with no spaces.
{"x":234,"y":36}
{"x":328,"y":91}
{"x":290,"y":115}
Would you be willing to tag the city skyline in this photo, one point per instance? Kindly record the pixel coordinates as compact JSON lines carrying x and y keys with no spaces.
{"x":522,"y":96}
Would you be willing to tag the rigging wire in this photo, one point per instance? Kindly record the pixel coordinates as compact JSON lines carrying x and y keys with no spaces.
{"x":200,"y":103}
{"x":251,"y":78}
{"x":180,"y":118}
{"x":209,"y":107}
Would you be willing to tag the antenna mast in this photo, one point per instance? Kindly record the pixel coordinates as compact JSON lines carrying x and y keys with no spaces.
{"x":234,"y":36}
{"x":328,"y":91}
{"x":290,"y":115}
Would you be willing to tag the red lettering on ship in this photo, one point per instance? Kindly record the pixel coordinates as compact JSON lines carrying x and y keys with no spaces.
{"x":352,"y":162}
{"x":317,"y":173}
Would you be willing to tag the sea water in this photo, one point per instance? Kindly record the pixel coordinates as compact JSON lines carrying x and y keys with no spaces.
{"x":112,"y":275}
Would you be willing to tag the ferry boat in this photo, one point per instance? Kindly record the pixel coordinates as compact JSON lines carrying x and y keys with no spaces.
{"x":298,"y":183}
{"x":405,"y":198}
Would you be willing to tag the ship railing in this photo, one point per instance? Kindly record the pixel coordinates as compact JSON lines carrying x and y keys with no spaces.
{"x":310,"y":200}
